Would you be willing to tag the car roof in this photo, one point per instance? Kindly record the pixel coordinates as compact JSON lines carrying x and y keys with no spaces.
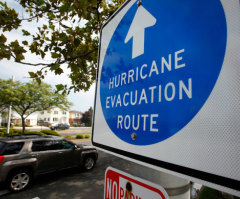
{"x":28,"y":137}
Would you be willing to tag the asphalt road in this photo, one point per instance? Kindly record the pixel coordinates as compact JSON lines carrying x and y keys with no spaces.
{"x":72,"y":183}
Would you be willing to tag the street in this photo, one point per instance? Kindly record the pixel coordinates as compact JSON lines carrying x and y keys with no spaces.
{"x":71,"y":183}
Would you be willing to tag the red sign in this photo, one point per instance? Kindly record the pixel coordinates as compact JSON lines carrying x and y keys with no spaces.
{"x":120,"y":185}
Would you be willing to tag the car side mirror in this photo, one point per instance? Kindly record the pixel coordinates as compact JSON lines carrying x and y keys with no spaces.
{"x":75,"y":147}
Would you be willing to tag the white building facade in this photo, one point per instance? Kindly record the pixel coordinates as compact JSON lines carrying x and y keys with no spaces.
{"x":54,"y":116}
{"x":16,"y":118}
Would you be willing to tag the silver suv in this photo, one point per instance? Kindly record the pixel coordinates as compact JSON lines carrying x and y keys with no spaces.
{"x":24,"y":157}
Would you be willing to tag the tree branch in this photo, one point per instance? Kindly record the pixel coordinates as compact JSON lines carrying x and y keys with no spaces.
{"x":57,"y":62}
{"x":2,"y":109}
{"x":98,"y":14}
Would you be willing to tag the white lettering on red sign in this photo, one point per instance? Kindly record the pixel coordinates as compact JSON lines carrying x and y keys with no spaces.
{"x":115,"y":187}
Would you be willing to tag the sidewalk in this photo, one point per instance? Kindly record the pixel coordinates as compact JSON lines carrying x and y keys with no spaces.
{"x":33,"y":127}
{"x":82,"y":141}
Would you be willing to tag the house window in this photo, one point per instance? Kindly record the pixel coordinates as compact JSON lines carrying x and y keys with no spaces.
{"x":55,"y":119}
{"x":55,"y":112}
{"x":42,"y":112}
{"x":45,"y":119}
{"x":64,"y":113}
{"x":49,"y":119}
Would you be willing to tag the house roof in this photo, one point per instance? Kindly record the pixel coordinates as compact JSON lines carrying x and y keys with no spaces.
{"x":74,"y":111}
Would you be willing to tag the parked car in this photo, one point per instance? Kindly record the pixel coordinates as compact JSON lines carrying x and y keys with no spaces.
{"x":60,"y":127}
{"x":24,"y":157}
{"x":42,"y":123}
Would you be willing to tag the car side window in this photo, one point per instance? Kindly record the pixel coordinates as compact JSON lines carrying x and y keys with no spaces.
{"x":63,"y":144}
{"x":42,"y":146}
{"x":2,"y":145}
{"x":13,"y":148}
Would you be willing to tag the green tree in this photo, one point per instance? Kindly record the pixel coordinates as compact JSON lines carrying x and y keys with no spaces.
{"x":27,"y":98}
{"x":68,"y":31}
{"x":87,"y":117}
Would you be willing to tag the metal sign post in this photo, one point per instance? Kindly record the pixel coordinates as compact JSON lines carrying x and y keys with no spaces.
{"x":167,"y":93}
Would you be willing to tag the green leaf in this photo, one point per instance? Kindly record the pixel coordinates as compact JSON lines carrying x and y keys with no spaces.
{"x":76,"y":42}
{"x":25,"y":33}
{"x":54,"y":67}
{"x":58,"y":71}
{"x":32,"y":74}
{"x":55,"y":55}
{"x":3,"y":39}
{"x":38,"y":80}
{"x":59,"y":87}
{"x":25,"y":43}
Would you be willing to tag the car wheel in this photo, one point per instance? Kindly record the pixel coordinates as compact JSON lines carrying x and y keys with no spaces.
{"x":19,"y":180}
{"x":89,"y":163}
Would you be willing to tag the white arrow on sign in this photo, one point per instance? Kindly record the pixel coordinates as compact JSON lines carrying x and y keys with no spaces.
{"x":142,"y":19}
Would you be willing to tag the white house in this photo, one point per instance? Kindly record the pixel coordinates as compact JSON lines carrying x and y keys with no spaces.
{"x":54,"y":116}
{"x":30,"y":120}
{"x":16,"y":118}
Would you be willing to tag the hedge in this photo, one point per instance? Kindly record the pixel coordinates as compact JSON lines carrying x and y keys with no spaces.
{"x":79,"y":136}
{"x":16,"y":132}
{"x":49,"y":132}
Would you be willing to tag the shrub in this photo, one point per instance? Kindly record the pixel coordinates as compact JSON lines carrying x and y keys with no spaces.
{"x":69,"y":137}
{"x":2,"y":130}
{"x":27,"y":125}
{"x":49,"y":132}
{"x":87,"y":136}
{"x":12,"y":132}
{"x":16,"y":131}
{"x":79,"y":136}
{"x":75,"y":125}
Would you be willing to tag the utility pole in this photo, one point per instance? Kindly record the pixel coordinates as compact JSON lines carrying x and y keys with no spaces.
{"x":9,"y":111}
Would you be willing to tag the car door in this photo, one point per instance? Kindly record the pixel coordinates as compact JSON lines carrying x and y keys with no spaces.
{"x":70,"y":155}
{"x":48,"y":158}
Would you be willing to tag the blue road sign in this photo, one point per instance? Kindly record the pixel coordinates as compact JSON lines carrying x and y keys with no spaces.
{"x":160,"y":67}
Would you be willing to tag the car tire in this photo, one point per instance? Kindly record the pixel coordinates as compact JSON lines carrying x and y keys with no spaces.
{"x":88,"y":163}
{"x":19,"y":180}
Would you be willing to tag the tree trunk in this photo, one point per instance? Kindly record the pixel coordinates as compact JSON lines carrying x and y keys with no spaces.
{"x":23,"y":124}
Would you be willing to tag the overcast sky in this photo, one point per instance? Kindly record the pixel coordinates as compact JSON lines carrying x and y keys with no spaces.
{"x":82,"y":101}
